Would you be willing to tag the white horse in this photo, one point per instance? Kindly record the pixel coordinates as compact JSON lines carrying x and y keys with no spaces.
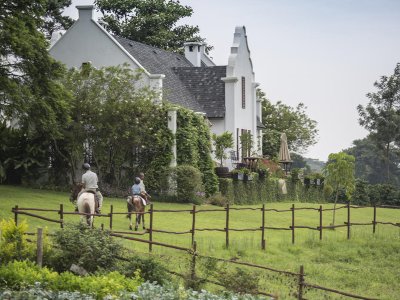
{"x":86,"y":203}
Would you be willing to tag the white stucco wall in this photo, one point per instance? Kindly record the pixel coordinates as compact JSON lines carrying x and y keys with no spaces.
{"x":87,"y":41}
{"x":240,"y":65}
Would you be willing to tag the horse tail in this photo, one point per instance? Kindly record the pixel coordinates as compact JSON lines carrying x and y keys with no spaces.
{"x":86,"y":210}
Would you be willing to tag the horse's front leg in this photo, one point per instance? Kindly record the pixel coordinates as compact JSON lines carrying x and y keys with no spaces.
{"x":137,"y":221}
{"x":144,"y":227}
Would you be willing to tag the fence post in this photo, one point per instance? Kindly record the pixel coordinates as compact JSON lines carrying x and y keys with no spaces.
{"x":348,"y":220}
{"x":301,"y":283}
{"x":320,"y":222}
{"x":292,"y":223}
{"x":193,"y":222}
{"x":263,"y":227}
{"x":39,"y":250}
{"x":61,"y":212}
{"x":374,"y":221}
{"x":111,"y":216}
{"x":151,"y":228}
{"x":193,"y":264}
{"x":227,"y":226}
{"x":16,"y":215}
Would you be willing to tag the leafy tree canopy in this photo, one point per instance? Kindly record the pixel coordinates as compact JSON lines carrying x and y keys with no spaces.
{"x":301,"y":131}
{"x":33,"y":104}
{"x":339,"y":174}
{"x":53,"y":19}
{"x":381,"y":116}
{"x":370,"y":162}
{"x":151,"y":22}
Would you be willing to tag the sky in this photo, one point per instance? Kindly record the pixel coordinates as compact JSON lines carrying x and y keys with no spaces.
{"x":325,"y":54}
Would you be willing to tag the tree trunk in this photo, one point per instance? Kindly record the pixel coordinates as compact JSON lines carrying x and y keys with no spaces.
{"x":387,"y":163}
{"x":334,"y":206}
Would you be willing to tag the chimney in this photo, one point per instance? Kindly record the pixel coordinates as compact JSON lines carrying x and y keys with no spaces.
{"x":85,"y":12}
{"x":194,"y":52}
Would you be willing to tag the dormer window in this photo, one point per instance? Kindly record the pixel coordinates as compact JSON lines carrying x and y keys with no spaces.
{"x":243,"y":92}
{"x":191,"y":48}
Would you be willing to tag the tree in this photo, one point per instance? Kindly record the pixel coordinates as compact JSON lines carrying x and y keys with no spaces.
{"x":370,"y":161}
{"x":32,"y":99}
{"x":301,"y":131}
{"x":221,"y":143}
{"x":54,"y":20}
{"x":381,"y":116}
{"x":151,"y":22}
{"x":339,"y":174}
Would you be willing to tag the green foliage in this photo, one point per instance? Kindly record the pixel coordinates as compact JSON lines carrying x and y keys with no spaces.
{"x":381,"y":116}
{"x":20,"y":275}
{"x":239,"y":281}
{"x":301,"y":131}
{"x":221,"y":143}
{"x":150,"y":270}
{"x":339,"y":172}
{"x":150,"y":22}
{"x":360,"y":196}
{"x":194,"y":148}
{"x":246,"y":143}
{"x":92,"y":249}
{"x":13,"y":244}
{"x":189,"y":183}
{"x":32,"y":99}
{"x":371,"y":164}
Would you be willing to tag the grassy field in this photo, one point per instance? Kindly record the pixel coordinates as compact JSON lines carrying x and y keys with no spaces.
{"x":368,"y":264}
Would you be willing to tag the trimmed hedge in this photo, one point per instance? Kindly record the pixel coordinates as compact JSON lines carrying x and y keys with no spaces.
{"x":267,"y":190}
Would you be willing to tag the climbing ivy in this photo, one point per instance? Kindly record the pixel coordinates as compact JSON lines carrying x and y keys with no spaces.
{"x":194,"y":147}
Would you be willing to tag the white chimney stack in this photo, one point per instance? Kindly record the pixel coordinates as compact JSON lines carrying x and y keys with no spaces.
{"x":193,"y":52}
{"x":85,"y":12}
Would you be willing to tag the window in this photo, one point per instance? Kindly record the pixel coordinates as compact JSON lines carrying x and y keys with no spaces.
{"x":243,"y":92}
{"x":190,"y":48}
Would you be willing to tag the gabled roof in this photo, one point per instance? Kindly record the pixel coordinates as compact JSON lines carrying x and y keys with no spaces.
{"x":159,"y":61}
{"x":206,"y":85}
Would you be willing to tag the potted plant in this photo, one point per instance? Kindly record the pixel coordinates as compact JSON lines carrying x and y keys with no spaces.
{"x":221,"y":143}
{"x":263,"y":171}
{"x":247,"y":176}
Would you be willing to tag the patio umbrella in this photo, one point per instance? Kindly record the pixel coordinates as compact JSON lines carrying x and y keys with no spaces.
{"x":284,"y":155}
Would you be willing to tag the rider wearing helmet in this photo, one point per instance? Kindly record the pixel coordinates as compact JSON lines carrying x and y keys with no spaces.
{"x":90,"y":184}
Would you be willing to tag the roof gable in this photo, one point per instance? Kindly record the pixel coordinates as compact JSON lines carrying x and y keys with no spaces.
{"x":159,"y":61}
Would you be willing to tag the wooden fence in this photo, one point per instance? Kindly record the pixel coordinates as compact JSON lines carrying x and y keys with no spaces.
{"x":300,"y":277}
{"x":297,"y":293}
{"x":227,"y":229}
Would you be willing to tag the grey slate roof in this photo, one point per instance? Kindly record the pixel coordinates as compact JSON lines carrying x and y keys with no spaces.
{"x":206,"y":85}
{"x":159,"y":61}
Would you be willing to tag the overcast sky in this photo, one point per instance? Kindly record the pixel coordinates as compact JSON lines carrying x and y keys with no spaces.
{"x":326,"y":54}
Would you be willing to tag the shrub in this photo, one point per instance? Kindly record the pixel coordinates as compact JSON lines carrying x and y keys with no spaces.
{"x":149,"y":269}
{"x":21,"y":275}
{"x":91,"y":249}
{"x":13,"y":245}
{"x":239,"y":280}
{"x":189,"y":182}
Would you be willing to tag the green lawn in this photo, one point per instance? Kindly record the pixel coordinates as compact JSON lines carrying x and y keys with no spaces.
{"x":367,"y":264}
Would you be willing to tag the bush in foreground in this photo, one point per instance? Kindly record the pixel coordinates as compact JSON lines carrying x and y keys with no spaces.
{"x":21,"y":275}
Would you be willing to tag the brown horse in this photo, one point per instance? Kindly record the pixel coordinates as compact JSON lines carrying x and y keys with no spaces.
{"x":135,"y":204}
{"x":85,"y":202}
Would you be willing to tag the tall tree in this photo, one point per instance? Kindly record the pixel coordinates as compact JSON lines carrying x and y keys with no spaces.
{"x":301,"y":130}
{"x":53,"y":18}
{"x":381,"y":116}
{"x":31,"y":98}
{"x":370,"y":162}
{"x":339,"y":174}
{"x":153,"y":22}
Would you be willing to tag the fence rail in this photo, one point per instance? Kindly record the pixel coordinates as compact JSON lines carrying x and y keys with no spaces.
{"x":298,"y":293}
{"x":227,"y":229}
